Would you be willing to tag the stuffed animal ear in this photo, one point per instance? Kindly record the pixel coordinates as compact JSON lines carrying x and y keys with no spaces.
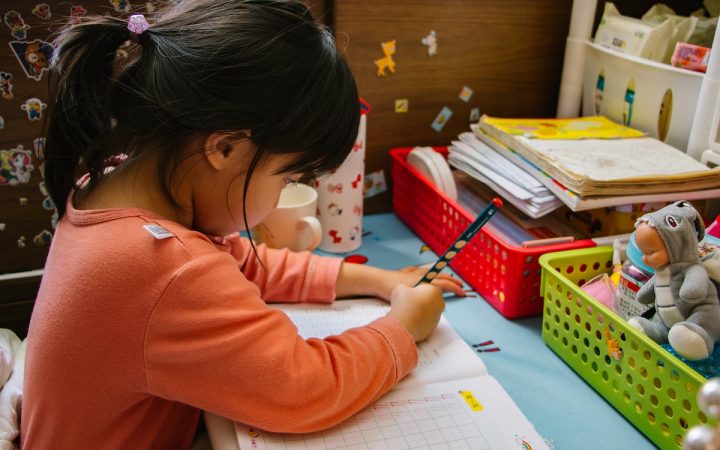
{"x":696,"y":219}
{"x":699,"y":227}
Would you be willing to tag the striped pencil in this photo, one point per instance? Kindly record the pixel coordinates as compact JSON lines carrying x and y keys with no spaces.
{"x":464,"y":238}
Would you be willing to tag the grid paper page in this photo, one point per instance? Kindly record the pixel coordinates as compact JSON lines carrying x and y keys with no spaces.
{"x":436,"y":416}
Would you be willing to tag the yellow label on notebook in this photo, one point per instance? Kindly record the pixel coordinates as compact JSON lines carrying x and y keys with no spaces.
{"x":593,"y":127}
{"x":471,"y":400}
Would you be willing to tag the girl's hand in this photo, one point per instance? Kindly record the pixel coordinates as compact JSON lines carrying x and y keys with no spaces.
{"x":409,"y":276}
{"x":358,"y":280}
{"x":418,"y":309}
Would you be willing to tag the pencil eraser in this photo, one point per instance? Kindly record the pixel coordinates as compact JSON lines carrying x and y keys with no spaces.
{"x":497,"y":202}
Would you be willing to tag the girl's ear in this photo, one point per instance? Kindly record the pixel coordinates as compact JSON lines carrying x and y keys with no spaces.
{"x":222,"y":150}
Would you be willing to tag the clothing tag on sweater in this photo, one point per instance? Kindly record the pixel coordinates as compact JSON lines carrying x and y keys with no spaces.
{"x":158,"y":232}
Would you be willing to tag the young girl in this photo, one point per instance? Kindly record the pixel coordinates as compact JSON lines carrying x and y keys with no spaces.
{"x":146,"y":315}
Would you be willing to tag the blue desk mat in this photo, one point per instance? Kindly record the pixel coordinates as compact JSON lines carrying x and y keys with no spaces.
{"x":564,"y":409}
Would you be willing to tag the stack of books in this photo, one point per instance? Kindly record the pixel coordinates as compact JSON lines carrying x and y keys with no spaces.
{"x":591,"y":162}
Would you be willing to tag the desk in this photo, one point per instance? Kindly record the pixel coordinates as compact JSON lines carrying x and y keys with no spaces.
{"x":563,"y":408}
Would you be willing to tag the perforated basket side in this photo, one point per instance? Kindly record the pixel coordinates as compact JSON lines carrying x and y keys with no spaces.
{"x":650,"y":387}
{"x":506,"y":276}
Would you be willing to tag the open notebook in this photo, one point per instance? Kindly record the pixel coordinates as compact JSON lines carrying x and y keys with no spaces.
{"x":449,"y":401}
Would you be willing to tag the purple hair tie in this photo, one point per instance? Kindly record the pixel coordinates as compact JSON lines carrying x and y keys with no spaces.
{"x":137,"y":24}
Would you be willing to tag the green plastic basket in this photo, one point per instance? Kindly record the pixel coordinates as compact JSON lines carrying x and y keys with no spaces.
{"x":653,"y":389}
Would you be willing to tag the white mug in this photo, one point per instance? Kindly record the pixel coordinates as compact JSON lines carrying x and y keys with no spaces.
{"x":293,"y":223}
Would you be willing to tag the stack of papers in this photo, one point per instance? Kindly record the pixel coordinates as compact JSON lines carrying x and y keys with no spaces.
{"x":605,"y":166}
{"x":602,"y":170}
{"x":489,"y":166}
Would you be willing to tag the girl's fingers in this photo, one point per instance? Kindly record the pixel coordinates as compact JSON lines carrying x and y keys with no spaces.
{"x":449,"y":286}
{"x":447,"y":278}
{"x":450,"y":278}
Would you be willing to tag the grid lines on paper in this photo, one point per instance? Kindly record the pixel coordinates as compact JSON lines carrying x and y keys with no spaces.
{"x":438,"y":422}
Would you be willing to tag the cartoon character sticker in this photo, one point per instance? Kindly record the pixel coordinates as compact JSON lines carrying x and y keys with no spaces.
{"x":6,"y":86}
{"x":466,"y":94}
{"x":33,"y":57}
{"x":431,"y":42}
{"x":15,"y":166}
{"x":387,"y":61}
{"x":43,"y":238}
{"x":48,"y":204}
{"x":34,"y":108}
{"x":120,"y":5}
{"x":39,"y":145}
{"x":441,"y":119}
{"x":42,"y":10}
{"x":375,"y":183}
{"x":17,"y":24}
{"x":77,"y":11}
{"x":402,"y":105}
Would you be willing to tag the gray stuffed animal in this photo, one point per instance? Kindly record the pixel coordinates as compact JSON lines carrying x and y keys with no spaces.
{"x":686,"y":300}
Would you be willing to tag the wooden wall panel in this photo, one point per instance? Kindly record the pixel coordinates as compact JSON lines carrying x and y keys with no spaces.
{"x":509,"y":52}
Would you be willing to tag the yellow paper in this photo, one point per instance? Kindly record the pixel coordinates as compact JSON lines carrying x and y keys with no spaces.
{"x":593,"y":127}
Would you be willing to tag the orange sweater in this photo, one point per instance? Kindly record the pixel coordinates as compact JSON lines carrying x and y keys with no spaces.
{"x":132,"y":336}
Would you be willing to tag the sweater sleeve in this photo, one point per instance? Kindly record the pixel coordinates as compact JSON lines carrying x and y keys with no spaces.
{"x":286,"y":276}
{"x":212,"y":343}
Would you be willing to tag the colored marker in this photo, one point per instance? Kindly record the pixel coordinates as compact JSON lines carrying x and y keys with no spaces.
{"x":464,"y":238}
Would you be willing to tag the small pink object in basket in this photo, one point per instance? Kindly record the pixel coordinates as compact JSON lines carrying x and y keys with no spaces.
{"x":340,"y":199}
{"x":602,"y":289}
{"x":714,"y":228}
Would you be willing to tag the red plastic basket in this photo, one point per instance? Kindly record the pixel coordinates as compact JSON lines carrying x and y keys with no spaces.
{"x":507,"y":276}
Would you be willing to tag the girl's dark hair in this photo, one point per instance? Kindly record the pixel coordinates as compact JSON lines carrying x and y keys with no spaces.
{"x":203,"y":66}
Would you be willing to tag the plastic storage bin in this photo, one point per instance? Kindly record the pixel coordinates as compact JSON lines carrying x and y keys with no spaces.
{"x":650,"y":387}
{"x":650,"y":96}
{"x":508,"y":277}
